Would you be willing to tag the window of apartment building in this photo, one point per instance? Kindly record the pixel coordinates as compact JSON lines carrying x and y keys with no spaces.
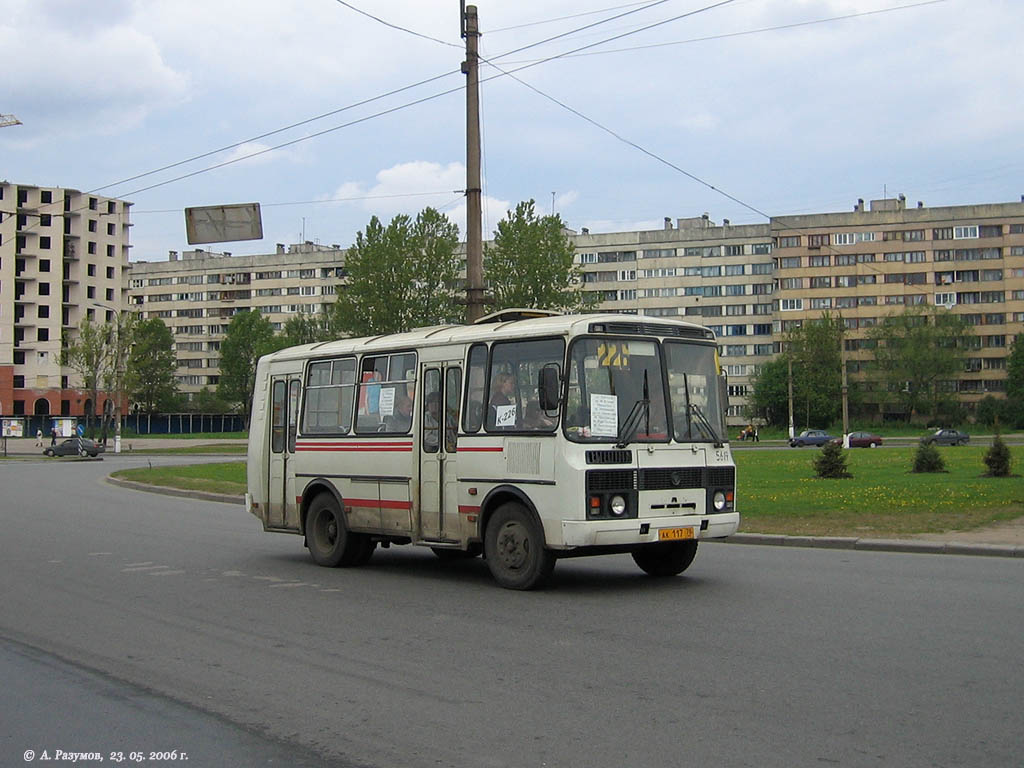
{"x":734,"y":250}
{"x":867,"y":279}
{"x":990,"y":230}
{"x":92,"y":225}
{"x":715,"y":271}
{"x":844,"y":238}
{"x":709,"y":251}
{"x":997,"y":340}
{"x":661,"y":311}
{"x":789,"y":241}
{"x":995,"y":318}
{"x":846,"y":302}
{"x":651,"y":253}
{"x":817,"y":241}
{"x":992,"y":297}
{"x":736,"y":309}
{"x":90,"y":270}
{"x":43,"y":311}
{"x":110,"y":251}
{"x":691,"y":272}
{"x":268,"y":291}
{"x":821,"y":282}
{"x":111,"y":206}
{"x":761,"y":249}
{"x":789,"y":262}
{"x":111,"y":228}
{"x":624,"y":274}
{"x":275,"y":275}
{"x":945,"y":299}
{"x":90,"y":248}
{"x":791,"y":283}
{"x":736,"y":370}
{"x":865,"y":258}
{"x":764,"y":268}
{"x":819,"y":260}
{"x":790,"y":305}
{"x":44,"y":265}
{"x":764,"y":349}
{"x":822,"y":303}
{"x":110,"y":273}
{"x":1016,"y":229}
{"x":735,"y":290}
{"x":42,"y":334}
{"x":737,"y":390}
{"x":994,"y":363}
{"x":761,"y":289}
{"x":585,"y":258}
{"x":627,"y":295}
{"x":712,"y":290}
{"x":942,"y":233}
{"x":987,"y":275}
{"x":90,"y":292}
{"x":733,"y":270}
{"x":44,"y":289}
{"x":867,"y":301}
{"x":965,"y":232}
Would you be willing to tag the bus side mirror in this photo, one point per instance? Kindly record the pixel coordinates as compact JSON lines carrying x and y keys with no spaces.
{"x":548,"y":388}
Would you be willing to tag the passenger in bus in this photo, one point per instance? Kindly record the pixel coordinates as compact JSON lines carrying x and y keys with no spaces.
{"x":401,"y":418}
{"x":536,"y":419}
{"x":503,"y":405}
{"x":432,"y":421}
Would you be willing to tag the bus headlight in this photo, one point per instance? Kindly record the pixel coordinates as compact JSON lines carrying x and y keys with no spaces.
{"x":617,"y":506}
{"x":719,"y":501}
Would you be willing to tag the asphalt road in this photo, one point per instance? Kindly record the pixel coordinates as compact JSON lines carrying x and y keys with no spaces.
{"x":759,"y":656}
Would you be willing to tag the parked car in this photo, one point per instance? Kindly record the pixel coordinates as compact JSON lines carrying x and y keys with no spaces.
{"x":75,"y":446}
{"x":810,"y":437}
{"x":946,"y":437}
{"x":864,"y":440}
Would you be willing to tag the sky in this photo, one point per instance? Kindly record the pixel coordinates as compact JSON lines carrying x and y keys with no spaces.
{"x":613,"y":115}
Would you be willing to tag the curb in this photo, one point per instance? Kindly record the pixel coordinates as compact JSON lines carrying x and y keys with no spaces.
{"x":875,"y":545}
{"x":224,"y":498}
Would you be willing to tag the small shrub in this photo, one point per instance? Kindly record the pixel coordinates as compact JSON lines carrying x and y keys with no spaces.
{"x":831,"y":462}
{"x":928,"y":459}
{"x":997,"y":459}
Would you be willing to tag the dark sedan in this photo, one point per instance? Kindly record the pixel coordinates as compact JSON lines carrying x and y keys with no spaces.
{"x":864,"y":440}
{"x":946,"y":437}
{"x":75,"y":446}
{"x":810,"y":437}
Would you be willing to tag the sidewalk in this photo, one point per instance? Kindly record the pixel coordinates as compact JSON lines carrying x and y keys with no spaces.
{"x":26,"y":446}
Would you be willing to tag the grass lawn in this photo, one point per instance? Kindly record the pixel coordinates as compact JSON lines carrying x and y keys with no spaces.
{"x":217,"y":478}
{"x":235,"y":448}
{"x":778,"y":492}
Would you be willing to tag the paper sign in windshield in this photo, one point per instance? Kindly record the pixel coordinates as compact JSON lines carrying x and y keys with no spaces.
{"x":604,"y":415}
{"x":504,"y":415}
{"x":387,"y":401}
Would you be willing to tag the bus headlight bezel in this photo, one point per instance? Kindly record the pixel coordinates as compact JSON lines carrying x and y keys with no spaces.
{"x":617,"y":505}
{"x":719,"y":501}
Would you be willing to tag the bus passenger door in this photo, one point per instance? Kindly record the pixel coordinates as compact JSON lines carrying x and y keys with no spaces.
{"x":284,"y":416}
{"x":439,"y":425}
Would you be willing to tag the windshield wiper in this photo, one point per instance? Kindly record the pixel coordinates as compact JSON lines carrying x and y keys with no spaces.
{"x":702,"y":420}
{"x":641,"y":410}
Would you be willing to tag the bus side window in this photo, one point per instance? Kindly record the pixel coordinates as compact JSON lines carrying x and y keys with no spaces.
{"x":278,"y":416}
{"x":473,"y":411}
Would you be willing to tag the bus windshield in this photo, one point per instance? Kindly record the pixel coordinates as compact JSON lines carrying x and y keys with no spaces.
{"x":610,"y":381}
{"x":697,"y":409}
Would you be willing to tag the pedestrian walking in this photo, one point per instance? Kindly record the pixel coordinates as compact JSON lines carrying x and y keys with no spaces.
{"x":39,"y":438}
{"x":53,"y":436}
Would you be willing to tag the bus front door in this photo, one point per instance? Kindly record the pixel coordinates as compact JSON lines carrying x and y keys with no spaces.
{"x":284,"y":413}
{"x":439,"y":420}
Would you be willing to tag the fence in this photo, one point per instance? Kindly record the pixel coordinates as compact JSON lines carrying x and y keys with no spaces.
{"x":149,"y":424}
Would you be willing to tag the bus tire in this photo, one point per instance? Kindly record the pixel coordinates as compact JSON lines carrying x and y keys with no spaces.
{"x":514,"y":548}
{"x":665,"y":559}
{"x":329,"y":541}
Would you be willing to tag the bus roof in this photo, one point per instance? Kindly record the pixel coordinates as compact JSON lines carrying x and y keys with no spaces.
{"x":555,"y":325}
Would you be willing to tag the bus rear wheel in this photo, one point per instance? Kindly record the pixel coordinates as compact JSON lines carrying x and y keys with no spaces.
{"x":665,"y":559}
{"x":514,"y":548}
{"x":329,"y":541}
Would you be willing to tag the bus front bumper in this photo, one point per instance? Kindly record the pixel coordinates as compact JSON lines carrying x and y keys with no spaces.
{"x":647,"y":530}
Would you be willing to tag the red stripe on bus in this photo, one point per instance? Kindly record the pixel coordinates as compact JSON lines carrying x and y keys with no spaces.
{"x":488,"y":449}
{"x":381,"y":504}
{"x":466,"y":509}
{"x":352,"y":443}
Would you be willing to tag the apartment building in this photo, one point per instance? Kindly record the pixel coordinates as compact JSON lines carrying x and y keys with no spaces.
{"x":718,"y":275}
{"x":874,"y":261}
{"x":63,"y":254}
{"x":749,"y":283}
{"x":197,"y":292}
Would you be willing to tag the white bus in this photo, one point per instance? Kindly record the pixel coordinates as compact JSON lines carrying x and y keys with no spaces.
{"x":525,"y":440}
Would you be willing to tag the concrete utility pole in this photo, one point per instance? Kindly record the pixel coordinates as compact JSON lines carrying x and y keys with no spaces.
{"x":474,"y":227}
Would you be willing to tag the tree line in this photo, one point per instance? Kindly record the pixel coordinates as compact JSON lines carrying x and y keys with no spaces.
{"x":903,"y":370}
{"x":399,"y":276}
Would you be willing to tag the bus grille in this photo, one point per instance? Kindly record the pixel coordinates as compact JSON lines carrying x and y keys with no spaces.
{"x":611,"y":480}
{"x":662,"y":479}
{"x":652,"y":329}
{"x":609,"y":457}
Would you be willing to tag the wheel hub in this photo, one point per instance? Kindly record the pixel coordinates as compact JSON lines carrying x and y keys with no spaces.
{"x":513,"y":546}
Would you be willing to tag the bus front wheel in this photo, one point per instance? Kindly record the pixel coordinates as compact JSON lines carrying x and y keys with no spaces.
{"x":514,"y":548}
{"x":666,"y":559}
{"x":329,"y":541}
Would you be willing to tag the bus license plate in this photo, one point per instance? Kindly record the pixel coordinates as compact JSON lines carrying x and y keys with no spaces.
{"x":675,"y":534}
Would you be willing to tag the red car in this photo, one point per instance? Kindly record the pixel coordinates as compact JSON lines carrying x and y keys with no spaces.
{"x":864,"y":440}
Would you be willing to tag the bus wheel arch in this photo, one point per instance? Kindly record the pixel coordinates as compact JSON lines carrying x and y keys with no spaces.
{"x":313,"y":489}
{"x":498,"y":496}
{"x":328,"y":539}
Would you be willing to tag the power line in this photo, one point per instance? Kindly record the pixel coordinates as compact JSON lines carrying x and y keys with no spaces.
{"x":328,"y":200}
{"x":395,"y":26}
{"x":727,"y":35}
{"x":561,"y":18}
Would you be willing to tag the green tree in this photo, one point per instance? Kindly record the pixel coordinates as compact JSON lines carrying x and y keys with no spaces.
{"x":997,"y":458}
{"x":815,"y":348}
{"x":1015,"y":381}
{"x":831,"y":462}
{"x":87,"y":355}
{"x":249,"y":335}
{"x":400,"y":277}
{"x":769,"y":399}
{"x":307,"y":328}
{"x":928,"y":459}
{"x":915,"y":352}
{"x":531,"y":264}
{"x":151,"y":364}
